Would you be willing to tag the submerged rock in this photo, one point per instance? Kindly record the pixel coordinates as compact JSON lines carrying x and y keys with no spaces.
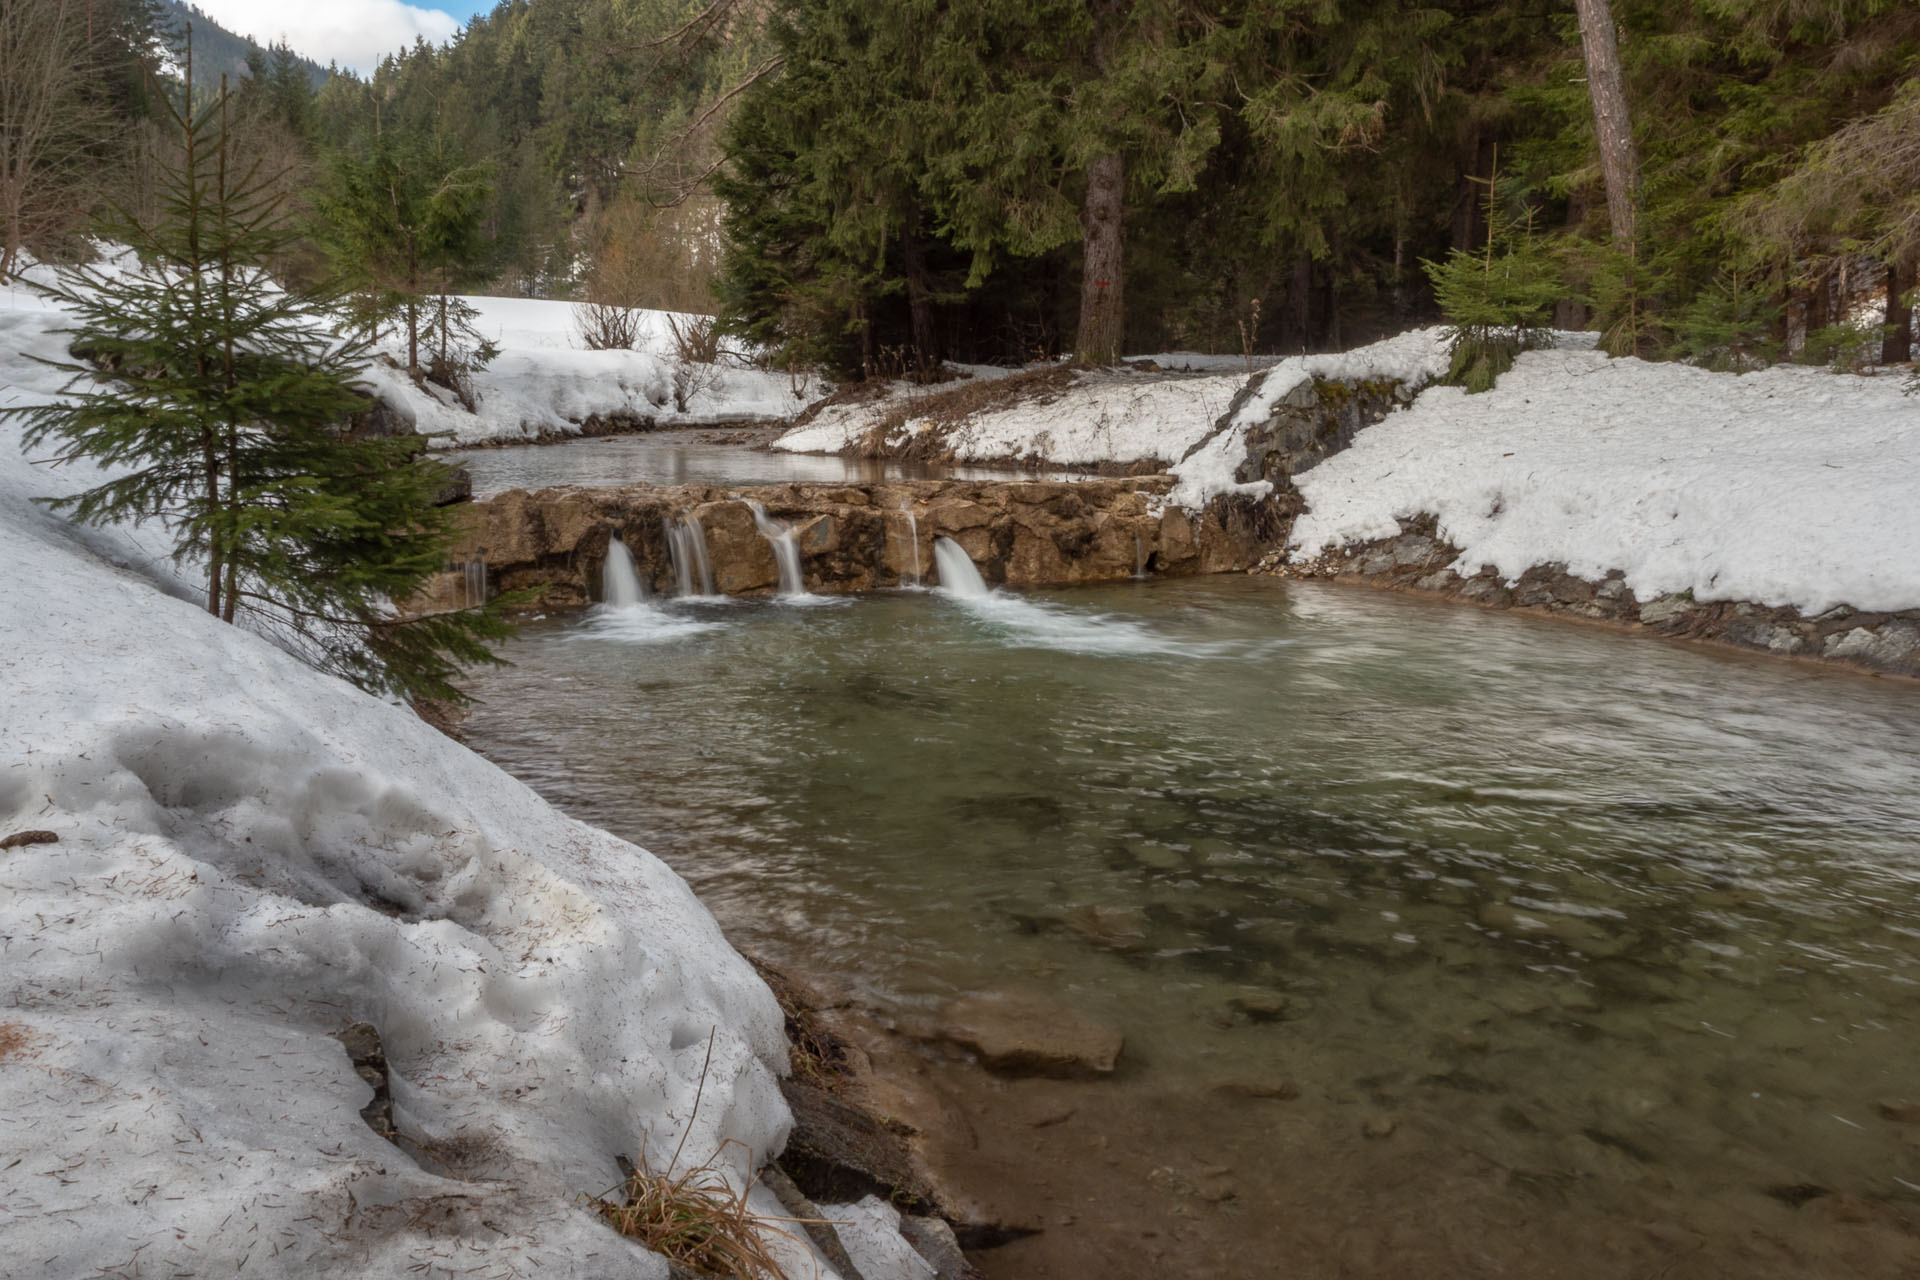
{"x":1026,"y":1035}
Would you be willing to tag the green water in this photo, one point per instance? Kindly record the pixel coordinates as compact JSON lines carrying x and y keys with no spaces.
{"x":1621,"y":937}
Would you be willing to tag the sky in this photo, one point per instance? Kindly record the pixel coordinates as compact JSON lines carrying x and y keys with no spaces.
{"x":353,"y":33}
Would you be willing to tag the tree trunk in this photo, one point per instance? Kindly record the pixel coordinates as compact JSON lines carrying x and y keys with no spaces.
{"x":1299,"y":312}
{"x":1102,"y":305}
{"x":1819,"y":313}
{"x":1606,"y":86}
{"x":1897,"y":346}
{"x":210,"y":464}
{"x":919,"y":299}
{"x":1469,"y":217}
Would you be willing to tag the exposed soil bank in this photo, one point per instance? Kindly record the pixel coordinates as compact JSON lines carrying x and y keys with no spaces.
{"x":1418,"y":560}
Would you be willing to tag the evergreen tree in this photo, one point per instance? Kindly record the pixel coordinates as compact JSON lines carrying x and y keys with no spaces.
{"x":228,"y":418}
{"x":1499,"y":300}
{"x":402,"y":218}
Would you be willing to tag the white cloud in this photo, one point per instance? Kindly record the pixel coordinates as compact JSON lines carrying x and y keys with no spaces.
{"x":354,"y":33}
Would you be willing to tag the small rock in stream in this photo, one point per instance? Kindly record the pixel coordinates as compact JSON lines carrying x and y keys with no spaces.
{"x":1378,"y":1127}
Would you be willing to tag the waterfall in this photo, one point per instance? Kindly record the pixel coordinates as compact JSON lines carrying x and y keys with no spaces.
{"x":473,"y":581}
{"x":679,"y":553}
{"x":620,"y":585}
{"x":687,"y":544}
{"x":958,"y":577}
{"x":785,"y":553}
{"x":913,"y":538}
{"x":697,"y":544}
{"x":1139,"y":557}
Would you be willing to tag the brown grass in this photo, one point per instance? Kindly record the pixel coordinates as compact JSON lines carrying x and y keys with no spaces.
{"x":950,"y":406}
{"x":700,"y":1221}
{"x":816,"y":1055}
{"x":697,"y":1218}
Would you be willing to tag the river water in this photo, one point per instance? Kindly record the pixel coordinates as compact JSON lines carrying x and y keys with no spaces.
{"x":722,"y":457}
{"x":1445,"y":942}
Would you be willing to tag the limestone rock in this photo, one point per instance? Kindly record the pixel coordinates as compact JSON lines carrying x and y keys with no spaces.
{"x":1024,"y":1035}
{"x":1664,"y":609}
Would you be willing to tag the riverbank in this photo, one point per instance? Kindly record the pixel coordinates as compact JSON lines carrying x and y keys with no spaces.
{"x":216,"y":862}
{"x":1884,"y":642}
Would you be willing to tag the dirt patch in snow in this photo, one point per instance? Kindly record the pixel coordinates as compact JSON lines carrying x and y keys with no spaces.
{"x":946,"y":409}
{"x":14,"y":1040}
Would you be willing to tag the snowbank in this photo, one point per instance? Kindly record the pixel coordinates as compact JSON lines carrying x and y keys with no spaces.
{"x":252,"y":856}
{"x":544,"y":384}
{"x":1791,"y":486}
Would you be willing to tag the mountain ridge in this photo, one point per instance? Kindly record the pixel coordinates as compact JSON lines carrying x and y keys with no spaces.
{"x":217,"y":49}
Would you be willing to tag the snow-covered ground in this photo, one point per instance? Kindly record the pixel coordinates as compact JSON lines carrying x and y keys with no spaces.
{"x":1790,"y":486}
{"x":251,"y":856}
{"x":1128,"y":416}
{"x":544,"y":382}
{"x":1101,"y":417}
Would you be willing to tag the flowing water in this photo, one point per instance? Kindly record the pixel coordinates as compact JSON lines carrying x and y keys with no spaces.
{"x":707,"y":456}
{"x":786,"y":555}
{"x":620,"y":584}
{"x":1446,"y":943}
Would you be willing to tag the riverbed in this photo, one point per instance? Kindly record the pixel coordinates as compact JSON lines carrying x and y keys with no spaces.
{"x":1445,"y":942}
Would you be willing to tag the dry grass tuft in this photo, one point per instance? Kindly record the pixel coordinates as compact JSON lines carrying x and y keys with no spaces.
{"x":700,"y":1221}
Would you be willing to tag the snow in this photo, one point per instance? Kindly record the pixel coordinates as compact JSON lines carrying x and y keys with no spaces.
{"x":1102,"y":417}
{"x":1789,"y":486}
{"x":869,"y":1229}
{"x":544,"y":383}
{"x":253,"y":856}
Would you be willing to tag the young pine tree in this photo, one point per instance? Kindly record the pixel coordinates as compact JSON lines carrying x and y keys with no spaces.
{"x":227,"y":417}
{"x":1498,"y":300}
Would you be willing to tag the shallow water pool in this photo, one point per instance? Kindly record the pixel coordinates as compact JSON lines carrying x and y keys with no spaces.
{"x":1445,"y":942}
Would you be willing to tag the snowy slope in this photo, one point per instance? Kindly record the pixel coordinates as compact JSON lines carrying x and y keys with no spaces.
{"x":252,"y":856}
{"x":544,"y":383}
{"x":1791,"y":486}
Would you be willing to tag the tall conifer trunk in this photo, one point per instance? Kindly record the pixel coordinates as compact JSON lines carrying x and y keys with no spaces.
{"x":913,"y":256}
{"x":1897,"y":346}
{"x":1606,"y":86}
{"x":1102,"y":305}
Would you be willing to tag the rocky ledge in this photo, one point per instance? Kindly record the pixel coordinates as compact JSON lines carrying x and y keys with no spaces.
{"x":1419,"y":560}
{"x":1028,"y":533}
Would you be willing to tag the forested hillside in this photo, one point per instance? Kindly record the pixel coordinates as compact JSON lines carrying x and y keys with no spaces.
{"x":218,"y":51}
{"x":884,"y":186}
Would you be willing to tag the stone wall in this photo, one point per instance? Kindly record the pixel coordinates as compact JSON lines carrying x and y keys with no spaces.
{"x":1029,"y":533}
